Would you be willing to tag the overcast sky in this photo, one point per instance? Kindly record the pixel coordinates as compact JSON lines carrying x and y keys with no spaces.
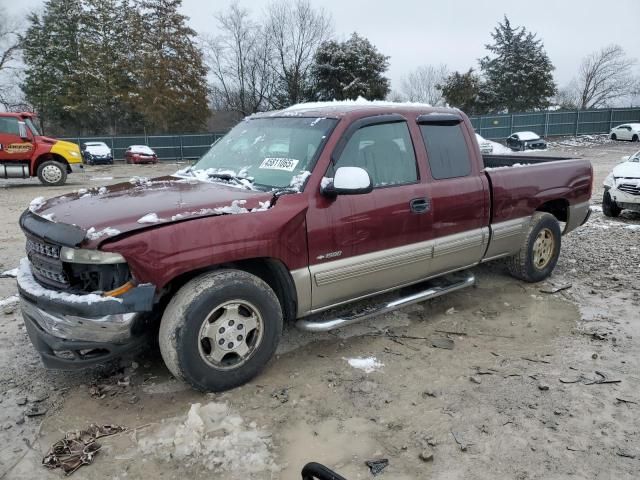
{"x":418,"y":32}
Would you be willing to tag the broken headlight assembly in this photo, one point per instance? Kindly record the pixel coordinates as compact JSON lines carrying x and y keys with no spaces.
{"x":94,"y":270}
{"x":93,"y":257}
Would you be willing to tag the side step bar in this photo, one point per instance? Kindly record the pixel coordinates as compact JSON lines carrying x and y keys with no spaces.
{"x":433,"y":292}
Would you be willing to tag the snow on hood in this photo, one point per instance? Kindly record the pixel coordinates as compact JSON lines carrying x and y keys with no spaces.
{"x":627,"y":170}
{"x":98,"y":149}
{"x":142,"y":149}
{"x":118,"y":208}
{"x":526,"y":136}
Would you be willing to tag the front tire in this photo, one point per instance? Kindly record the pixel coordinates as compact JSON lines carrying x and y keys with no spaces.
{"x":220,"y":330}
{"x":52,"y":173}
{"x":539,"y":251}
{"x":613,"y":136}
{"x":609,"y":207}
{"x":634,"y":138}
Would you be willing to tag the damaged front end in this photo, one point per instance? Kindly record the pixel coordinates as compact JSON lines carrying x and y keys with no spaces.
{"x":624,"y":191}
{"x":80,"y":307}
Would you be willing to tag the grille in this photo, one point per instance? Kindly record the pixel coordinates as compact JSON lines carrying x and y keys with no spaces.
{"x":629,"y":188}
{"x":46,"y":265}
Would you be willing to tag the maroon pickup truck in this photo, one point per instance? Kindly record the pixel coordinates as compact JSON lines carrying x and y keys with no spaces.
{"x":291,"y":214}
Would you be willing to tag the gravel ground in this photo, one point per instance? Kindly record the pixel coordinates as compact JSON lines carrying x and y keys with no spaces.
{"x":536,"y":385}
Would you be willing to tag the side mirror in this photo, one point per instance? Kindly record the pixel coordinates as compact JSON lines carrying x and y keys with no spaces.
{"x":348,"y":181}
{"x":22,"y":131}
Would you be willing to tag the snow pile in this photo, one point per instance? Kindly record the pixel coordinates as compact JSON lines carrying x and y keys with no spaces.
{"x":29,"y":285}
{"x":9,"y":301}
{"x":36,"y":204}
{"x":632,"y":227}
{"x":100,"y":179}
{"x":499,"y":149}
{"x":297,"y":182}
{"x":82,"y":191}
{"x":213,"y":437}
{"x":515,"y":165}
{"x":580,"y":141}
{"x":92,"y":234}
{"x":13,"y":273}
{"x":102,"y":190}
{"x":369,"y":364}
{"x":140,"y":181}
{"x":212,"y":175}
{"x":233,"y":209}
{"x":150,"y":218}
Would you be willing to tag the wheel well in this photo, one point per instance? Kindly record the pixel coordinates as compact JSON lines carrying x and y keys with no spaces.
{"x":49,"y":156}
{"x":557,"y":208}
{"x":273,"y":272}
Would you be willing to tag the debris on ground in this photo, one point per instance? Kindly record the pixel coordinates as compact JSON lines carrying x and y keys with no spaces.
{"x":282,"y":394}
{"x":377,"y":466}
{"x":556,"y":289}
{"x":426,"y":455}
{"x":602,"y":379}
{"x":457,"y":436}
{"x":442,"y":342}
{"x":475,"y":379}
{"x":78,"y":448}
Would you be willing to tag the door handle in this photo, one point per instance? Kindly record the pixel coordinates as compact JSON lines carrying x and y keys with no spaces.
{"x":420,"y":205}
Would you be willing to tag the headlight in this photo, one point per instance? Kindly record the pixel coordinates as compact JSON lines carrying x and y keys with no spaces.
{"x":81,"y":255}
{"x":609,"y":181}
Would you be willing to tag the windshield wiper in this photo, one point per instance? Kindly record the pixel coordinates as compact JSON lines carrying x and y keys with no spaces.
{"x":229,"y":177}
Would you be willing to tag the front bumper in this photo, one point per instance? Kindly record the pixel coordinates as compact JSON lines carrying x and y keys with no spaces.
{"x":76,"y":167}
{"x":79,"y":331}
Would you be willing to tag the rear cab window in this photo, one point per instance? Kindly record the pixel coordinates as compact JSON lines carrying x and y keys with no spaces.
{"x":447,"y":149}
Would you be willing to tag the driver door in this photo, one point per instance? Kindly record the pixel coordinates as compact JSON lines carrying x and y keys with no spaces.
{"x":12,"y":146}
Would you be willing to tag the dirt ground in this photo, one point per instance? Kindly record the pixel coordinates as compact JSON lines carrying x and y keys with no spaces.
{"x":536,"y":386}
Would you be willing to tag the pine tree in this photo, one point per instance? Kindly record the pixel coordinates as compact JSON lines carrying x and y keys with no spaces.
{"x":519,"y":75}
{"x":463,"y":91}
{"x":347,"y":70}
{"x":50,"y":51}
{"x":104,"y":67}
{"x":170,"y":72}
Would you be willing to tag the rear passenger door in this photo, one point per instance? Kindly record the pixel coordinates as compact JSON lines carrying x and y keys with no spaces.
{"x":362,"y":244}
{"x":459,"y":194}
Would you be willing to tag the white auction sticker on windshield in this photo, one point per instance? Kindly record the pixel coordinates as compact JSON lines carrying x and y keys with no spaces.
{"x":287,"y":164}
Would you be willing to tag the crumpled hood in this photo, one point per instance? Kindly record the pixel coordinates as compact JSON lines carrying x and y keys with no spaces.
{"x":142,"y":203}
{"x":627,"y":170}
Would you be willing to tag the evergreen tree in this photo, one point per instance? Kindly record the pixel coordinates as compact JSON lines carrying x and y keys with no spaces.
{"x":50,"y":51}
{"x":104,"y":67}
{"x":519,"y":75}
{"x":169,"y":69}
{"x":347,"y":70}
{"x":463,"y":91}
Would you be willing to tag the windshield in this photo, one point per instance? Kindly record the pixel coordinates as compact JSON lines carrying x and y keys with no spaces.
{"x":635,"y":157}
{"x":271,"y":152}
{"x":32,"y":126}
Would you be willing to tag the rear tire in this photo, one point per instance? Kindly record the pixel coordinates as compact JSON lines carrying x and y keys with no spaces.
{"x":540,"y":249}
{"x":609,"y":207}
{"x":220,"y":330}
{"x":52,"y":173}
{"x":634,"y":138}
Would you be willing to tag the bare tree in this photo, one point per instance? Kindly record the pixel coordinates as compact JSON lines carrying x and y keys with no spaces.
{"x":239,"y":62}
{"x":296,"y":30}
{"x":9,"y":51}
{"x":605,"y":76}
{"x":423,"y":84}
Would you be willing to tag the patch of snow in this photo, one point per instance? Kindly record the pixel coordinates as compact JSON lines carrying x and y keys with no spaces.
{"x":150,"y":218}
{"x":29,"y":285}
{"x":143,"y":149}
{"x":99,"y":179}
{"x":102,"y":190}
{"x":13,"y":273}
{"x":82,"y":191}
{"x":92,"y":234}
{"x":298,"y":181}
{"x":596,"y":208}
{"x":527,"y":135}
{"x":632,"y":227}
{"x":499,"y":149}
{"x":36,"y":204}
{"x":325,"y":182}
{"x":9,"y":301}
{"x":213,"y":437}
{"x":359,"y":102}
{"x":233,"y":209}
{"x":369,"y":364}
{"x":316,"y":121}
{"x":86,"y":195}
{"x":139,"y":181}
{"x":515,"y":165}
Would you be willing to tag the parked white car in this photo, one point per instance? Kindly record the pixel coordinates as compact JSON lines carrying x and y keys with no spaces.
{"x":485,"y":145}
{"x":628,"y":131}
{"x":622,"y":187}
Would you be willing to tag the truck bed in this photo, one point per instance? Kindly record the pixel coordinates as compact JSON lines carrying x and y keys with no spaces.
{"x":497,"y":161}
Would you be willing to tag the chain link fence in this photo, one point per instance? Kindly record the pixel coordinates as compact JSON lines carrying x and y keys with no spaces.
{"x":549,"y":124}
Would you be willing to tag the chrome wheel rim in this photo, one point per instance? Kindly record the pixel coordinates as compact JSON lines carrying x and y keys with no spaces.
{"x":543,"y":248}
{"x":51,"y":174}
{"x":230,"y":334}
